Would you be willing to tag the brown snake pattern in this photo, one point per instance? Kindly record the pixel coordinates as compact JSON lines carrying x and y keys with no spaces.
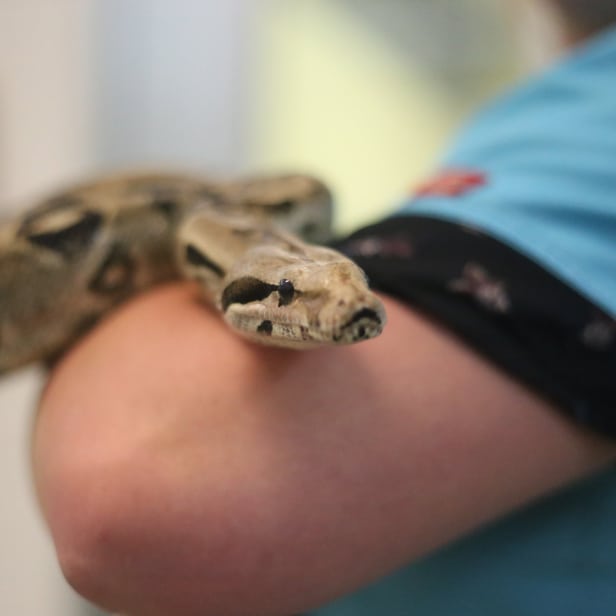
{"x":250,"y":244}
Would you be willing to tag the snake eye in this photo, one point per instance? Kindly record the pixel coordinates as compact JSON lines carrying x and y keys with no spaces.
{"x":286,"y":291}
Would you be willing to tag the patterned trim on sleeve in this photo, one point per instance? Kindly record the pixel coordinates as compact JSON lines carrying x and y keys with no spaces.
{"x":508,"y":307}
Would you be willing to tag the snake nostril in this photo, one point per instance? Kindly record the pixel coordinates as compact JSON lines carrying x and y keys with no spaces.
{"x":364,"y":313}
{"x":365,"y":323}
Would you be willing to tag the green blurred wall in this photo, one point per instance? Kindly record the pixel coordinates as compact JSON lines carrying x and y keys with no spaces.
{"x":366,"y":93}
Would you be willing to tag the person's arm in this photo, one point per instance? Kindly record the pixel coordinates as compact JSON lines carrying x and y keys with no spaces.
{"x":183,"y":471}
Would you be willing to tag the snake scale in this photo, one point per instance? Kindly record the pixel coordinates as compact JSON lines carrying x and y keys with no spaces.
{"x":250,"y":244}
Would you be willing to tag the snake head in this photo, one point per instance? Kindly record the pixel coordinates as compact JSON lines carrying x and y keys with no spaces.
{"x":307,"y":298}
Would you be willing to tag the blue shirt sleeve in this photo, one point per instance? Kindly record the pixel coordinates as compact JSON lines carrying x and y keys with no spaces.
{"x":547,"y":155}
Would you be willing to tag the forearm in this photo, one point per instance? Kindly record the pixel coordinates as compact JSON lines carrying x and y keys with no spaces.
{"x":183,"y":471}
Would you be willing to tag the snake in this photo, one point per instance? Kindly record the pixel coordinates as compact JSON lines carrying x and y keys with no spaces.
{"x":254,"y":246}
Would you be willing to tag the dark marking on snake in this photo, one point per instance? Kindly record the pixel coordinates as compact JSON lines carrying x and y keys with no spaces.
{"x":286,"y":292}
{"x":167,"y":206}
{"x":197,"y":258}
{"x":364,"y":313}
{"x":72,"y":240}
{"x":265,"y":327}
{"x":245,"y":290}
{"x":85,"y":324}
{"x":283,"y":207}
{"x":310,"y":230}
{"x":115,"y":274}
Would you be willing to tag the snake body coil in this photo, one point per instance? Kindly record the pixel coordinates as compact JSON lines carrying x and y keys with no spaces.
{"x":69,"y":260}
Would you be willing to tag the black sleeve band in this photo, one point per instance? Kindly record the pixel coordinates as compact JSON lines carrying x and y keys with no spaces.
{"x":509,"y":308}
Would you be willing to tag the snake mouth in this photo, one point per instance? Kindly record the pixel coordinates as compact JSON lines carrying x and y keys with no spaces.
{"x":364,"y":324}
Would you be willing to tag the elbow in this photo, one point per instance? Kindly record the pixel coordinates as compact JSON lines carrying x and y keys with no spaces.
{"x":86,"y":535}
{"x":131,"y":541}
{"x":130,"y":549}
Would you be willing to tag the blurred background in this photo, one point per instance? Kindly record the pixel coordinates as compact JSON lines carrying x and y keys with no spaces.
{"x":362,"y":93}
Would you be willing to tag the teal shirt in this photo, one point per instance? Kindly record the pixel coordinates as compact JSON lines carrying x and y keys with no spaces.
{"x":548,"y":155}
{"x":557,"y":557}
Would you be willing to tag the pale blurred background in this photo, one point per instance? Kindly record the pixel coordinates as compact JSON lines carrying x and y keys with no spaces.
{"x":363,"y":93}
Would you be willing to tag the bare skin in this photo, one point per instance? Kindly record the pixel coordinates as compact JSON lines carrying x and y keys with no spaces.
{"x":184,"y":471}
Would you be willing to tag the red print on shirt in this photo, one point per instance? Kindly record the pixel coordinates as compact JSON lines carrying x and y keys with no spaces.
{"x":451,"y":183}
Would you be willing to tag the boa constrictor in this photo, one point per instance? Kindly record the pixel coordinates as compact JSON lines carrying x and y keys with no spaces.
{"x":76,"y":255}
